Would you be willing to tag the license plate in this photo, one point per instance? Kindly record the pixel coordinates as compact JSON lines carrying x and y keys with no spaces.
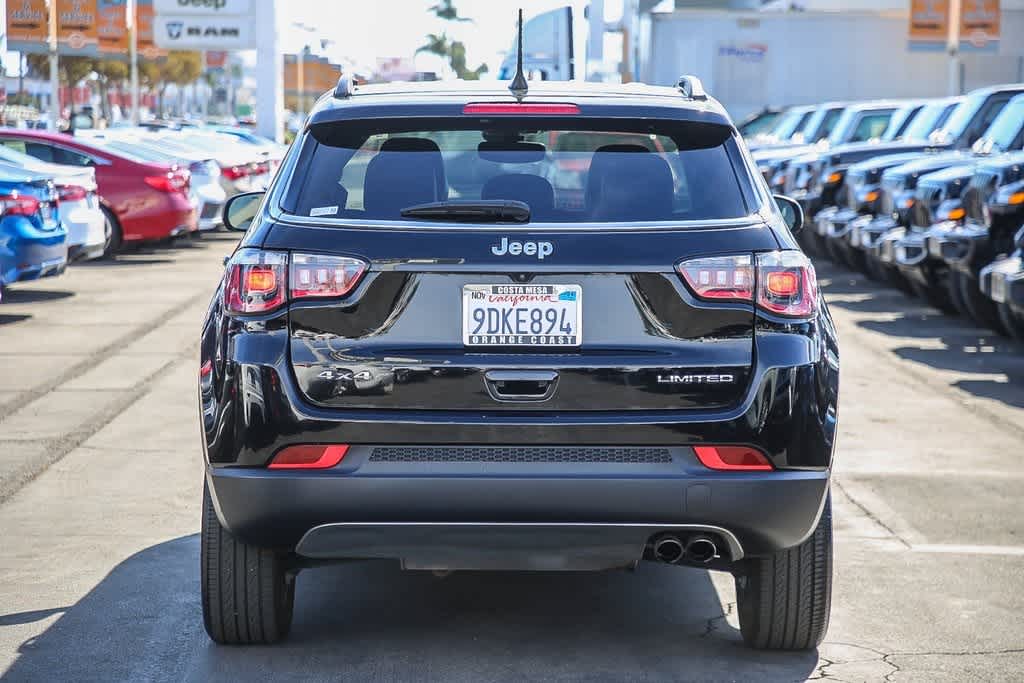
{"x":998,"y":288}
{"x":46,"y":211}
{"x":522,"y":315}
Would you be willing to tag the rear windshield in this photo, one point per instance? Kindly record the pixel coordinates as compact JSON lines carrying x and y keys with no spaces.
{"x":673,"y":172}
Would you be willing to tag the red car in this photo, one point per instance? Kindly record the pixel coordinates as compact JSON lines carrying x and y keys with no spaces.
{"x":143,"y":200}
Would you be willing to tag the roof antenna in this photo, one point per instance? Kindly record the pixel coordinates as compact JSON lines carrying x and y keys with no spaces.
{"x":519,"y":86}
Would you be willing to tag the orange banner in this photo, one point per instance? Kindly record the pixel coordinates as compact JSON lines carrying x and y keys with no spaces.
{"x":929,"y":20}
{"x":76,"y":27}
{"x":26,"y":25}
{"x":979,"y":21}
{"x":144,"y":30}
{"x":112,"y":26}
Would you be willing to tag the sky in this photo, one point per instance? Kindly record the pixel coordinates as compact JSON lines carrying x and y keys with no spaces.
{"x":366,"y":29}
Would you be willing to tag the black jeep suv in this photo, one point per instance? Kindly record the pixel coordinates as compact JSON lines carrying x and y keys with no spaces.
{"x":431,"y":346}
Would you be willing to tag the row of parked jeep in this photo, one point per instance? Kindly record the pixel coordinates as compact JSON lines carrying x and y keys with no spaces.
{"x":927,"y":196}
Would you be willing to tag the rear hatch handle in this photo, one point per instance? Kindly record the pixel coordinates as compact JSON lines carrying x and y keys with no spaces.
{"x":521,"y":385}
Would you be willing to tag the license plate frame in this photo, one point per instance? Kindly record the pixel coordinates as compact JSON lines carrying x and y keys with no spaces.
{"x":502,"y":326}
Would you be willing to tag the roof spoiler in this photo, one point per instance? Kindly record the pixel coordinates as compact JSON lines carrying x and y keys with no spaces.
{"x":691,"y":87}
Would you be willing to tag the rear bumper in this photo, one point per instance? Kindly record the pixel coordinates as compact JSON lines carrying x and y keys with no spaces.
{"x":27,"y":253}
{"x":614,"y":510}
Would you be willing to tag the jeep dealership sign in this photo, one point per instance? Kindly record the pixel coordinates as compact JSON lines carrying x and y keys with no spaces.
{"x":204,"y":25}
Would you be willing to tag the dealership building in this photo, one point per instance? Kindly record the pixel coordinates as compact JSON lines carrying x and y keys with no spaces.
{"x":788,"y":52}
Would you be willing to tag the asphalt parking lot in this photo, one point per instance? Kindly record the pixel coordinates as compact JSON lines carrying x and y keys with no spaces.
{"x":100,"y":481}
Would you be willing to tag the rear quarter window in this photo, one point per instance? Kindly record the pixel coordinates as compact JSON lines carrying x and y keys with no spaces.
{"x":566,"y":175}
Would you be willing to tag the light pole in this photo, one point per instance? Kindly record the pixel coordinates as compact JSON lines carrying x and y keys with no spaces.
{"x":300,"y":69}
{"x":54,"y":113}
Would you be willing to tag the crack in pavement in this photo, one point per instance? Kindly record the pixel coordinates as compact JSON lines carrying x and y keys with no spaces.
{"x":62,"y":445}
{"x":711,"y":626}
{"x":868,"y":513}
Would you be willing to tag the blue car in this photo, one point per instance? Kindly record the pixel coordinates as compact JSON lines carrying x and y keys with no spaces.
{"x":33,"y":243}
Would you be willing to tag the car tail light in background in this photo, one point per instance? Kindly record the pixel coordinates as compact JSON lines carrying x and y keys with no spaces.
{"x":18,"y":205}
{"x":261,"y":168}
{"x":261,"y":281}
{"x":315,"y":275}
{"x":779,"y":282}
{"x":71,"y":193}
{"x":521,"y":109}
{"x":172,"y":181}
{"x":234,"y":172}
{"x":308,"y":457}
{"x":732,"y":458}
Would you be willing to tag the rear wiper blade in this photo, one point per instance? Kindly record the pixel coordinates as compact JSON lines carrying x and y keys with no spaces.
{"x":472,"y":210}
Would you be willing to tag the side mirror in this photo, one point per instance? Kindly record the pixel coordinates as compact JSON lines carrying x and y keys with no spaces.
{"x":241,"y":209}
{"x":791,"y":213}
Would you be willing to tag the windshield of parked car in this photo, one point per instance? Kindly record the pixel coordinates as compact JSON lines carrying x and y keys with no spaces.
{"x":960,"y":119}
{"x":900,"y":121}
{"x":790,"y":123}
{"x":1005,"y":132}
{"x":860,"y":125}
{"x":930,"y":117}
{"x":687,"y":171}
{"x":821,"y":124}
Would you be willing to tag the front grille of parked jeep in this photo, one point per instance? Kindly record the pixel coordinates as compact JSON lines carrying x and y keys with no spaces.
{"x":516,"y":454}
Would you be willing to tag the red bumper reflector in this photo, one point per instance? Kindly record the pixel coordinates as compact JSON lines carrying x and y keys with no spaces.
{"x":523,"y":109}
{"x":308,"y":457}
{"x":735,"y":458}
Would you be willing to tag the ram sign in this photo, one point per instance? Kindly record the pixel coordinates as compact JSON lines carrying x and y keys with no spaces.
{"x":182,"y":32}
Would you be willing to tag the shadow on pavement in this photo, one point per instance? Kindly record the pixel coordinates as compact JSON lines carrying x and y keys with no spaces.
{"x":31,"y":296}
{"x":947,"y":343}
{"x":371,"y":621}
{"x":16,"y":318}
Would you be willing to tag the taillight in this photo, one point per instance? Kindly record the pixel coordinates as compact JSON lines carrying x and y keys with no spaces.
{"x":729,"y":278}
{"x":71,"y":193}
{"x":261,"y":281}
{"x":308,"y":457}
{"x":315,"y":275}
{"x":780,"y":282}
{"x":786,"y":284}
{"x":734,"y":458}
{"x":17,"y":204}
{"x":172,"y":181}
{"x":261,"y":168}
{"x":256,"y":281}
{"x":520,"y":109}
{"x":234,"y":172}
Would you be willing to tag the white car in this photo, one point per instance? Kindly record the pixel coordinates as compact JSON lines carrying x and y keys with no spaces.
{"x":79,"y":205}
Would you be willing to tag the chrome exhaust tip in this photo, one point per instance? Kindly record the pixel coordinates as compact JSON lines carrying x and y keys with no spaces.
{"x":701,"y":550}
{"x":668,"y":549}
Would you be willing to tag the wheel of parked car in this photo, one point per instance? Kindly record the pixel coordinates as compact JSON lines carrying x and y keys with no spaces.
{"x":980,"y":308}
{"x":113,"y":237}
{"x":1012,"y":321}
{"x":783,"y":600}
{"x":955,"y":296}
{"x":247,"y":594}
{"x":936,"y":297}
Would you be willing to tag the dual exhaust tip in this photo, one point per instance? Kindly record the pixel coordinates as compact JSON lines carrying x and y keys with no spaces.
{"x":698,"y":550}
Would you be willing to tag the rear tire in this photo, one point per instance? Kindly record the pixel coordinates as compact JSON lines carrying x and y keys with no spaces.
{"x":1012,"y":321}
{"x":784,"y":600}
{"x":113,"y":236}
{"x":247,"y":593}
{"x":980,"y":308}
